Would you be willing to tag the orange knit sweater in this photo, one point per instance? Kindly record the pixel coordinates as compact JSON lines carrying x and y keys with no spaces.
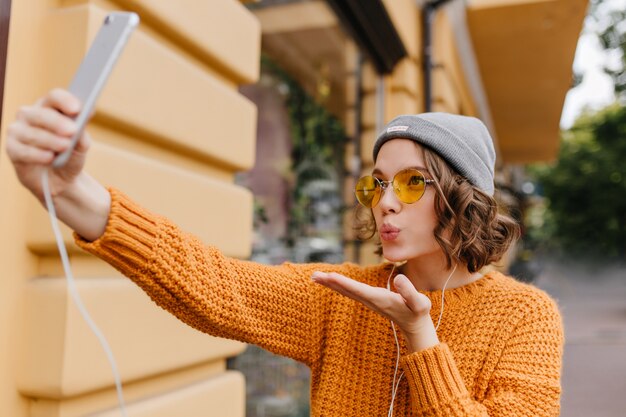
{"x":501,"y":340}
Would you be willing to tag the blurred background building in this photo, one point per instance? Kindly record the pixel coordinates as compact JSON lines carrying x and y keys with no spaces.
{"x":248,"y":124}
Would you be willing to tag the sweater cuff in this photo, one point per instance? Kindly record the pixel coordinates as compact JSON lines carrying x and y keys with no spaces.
{"x":129,"y":236}
{"x":433,"y":377}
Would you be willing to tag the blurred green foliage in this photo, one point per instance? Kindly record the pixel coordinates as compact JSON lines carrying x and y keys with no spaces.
{"x":585,"y":191}
{"x":318,"y":142}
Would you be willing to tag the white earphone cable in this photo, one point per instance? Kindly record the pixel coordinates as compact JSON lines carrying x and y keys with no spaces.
{"x":395,"y":335}
{"x":443,"y":293}
{"x":396,"y":384}
{"x":71,"y":284}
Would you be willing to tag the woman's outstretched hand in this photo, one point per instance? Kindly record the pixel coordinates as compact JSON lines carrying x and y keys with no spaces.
{"x":407,"y":308}
{"x":39,"y":133}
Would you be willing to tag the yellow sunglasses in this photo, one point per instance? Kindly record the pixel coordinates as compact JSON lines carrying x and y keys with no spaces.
{"x":408,"y":184}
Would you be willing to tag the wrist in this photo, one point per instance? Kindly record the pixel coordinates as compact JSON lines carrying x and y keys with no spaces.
{"x":422,"y":336}
{"x":84,"y":205}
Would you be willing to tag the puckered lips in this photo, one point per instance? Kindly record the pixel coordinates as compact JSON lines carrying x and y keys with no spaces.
{"x":388,"y":232}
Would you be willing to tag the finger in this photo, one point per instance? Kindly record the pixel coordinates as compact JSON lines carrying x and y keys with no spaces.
{"x":63,"y":101}
{"x":376,"y":298}
{"x":41,"y":138}
{"x":84,"y":143}
{"x":408,"y":292}
{"x":22,"y":154}
{"x":49,"y":119}
{"x":339,"y":282}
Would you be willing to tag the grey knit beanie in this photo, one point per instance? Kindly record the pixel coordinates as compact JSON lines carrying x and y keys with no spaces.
{"x":463,"y":142}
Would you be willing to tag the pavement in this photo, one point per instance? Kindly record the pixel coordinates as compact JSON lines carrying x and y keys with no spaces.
{"x":592,"y":299}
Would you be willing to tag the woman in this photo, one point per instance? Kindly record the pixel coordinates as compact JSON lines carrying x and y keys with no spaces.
{"x":485,"y":346}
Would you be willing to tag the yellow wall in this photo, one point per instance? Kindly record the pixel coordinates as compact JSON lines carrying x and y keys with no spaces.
{"x":170,"y":130}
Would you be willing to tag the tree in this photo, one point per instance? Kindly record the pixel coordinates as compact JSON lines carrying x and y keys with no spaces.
{"x":586,"y":188}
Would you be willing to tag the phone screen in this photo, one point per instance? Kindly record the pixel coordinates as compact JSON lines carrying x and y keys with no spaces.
{"x":95,"y":69}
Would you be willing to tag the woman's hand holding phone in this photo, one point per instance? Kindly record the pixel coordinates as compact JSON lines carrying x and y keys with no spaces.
{"x":39,"y":133}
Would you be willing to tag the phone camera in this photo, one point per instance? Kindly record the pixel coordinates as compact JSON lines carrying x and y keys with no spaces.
{"x":108,"y":19}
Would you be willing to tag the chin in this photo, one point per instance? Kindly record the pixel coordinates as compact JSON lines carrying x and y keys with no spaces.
{"x":403,"y":254}
{"x":396,"y":254}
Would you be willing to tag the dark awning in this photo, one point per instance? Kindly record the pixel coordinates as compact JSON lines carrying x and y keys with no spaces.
{"x":370,"y":26}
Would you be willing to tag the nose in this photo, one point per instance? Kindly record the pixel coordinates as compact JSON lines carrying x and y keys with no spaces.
{"x":389,"y":202}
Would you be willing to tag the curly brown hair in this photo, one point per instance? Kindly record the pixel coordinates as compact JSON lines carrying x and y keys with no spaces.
{"x":470,"y":228}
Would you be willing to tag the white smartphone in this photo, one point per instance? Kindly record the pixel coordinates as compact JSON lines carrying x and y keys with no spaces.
{"x":95,"y":69}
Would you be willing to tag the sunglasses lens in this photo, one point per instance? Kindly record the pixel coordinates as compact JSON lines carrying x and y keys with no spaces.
{"x":409,"y":185}
{"x":367,"y":191}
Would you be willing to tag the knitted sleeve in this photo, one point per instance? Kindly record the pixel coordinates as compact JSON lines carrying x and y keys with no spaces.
{"x":275,"y":307}
{"x":525,"y":382}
